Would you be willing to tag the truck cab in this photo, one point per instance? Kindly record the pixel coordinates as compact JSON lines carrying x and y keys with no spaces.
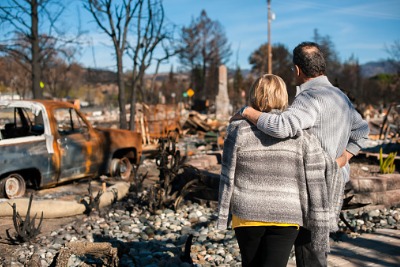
{"x":44,"y":143}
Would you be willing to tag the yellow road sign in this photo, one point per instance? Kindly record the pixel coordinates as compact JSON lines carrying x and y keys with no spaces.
{"x":190,"y":92}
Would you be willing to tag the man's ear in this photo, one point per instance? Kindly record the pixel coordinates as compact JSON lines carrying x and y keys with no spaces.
{"x":298,"y":70}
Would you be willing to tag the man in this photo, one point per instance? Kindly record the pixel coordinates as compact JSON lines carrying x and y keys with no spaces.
{"x":329,"y":114}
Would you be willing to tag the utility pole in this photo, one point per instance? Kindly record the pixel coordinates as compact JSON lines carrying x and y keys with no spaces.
{"x":269,"y":38}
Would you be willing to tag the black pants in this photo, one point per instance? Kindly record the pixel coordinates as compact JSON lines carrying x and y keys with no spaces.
{"x":265,"y":245}
{"x":305,"y":255}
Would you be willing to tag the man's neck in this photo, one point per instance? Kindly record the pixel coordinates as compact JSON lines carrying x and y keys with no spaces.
{"x":304,"y":79}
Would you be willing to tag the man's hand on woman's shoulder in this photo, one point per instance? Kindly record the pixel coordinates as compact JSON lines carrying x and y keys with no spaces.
{"x":238,"y":115}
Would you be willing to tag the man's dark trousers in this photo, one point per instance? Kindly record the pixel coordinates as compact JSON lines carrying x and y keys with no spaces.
{"x":305,"y":255}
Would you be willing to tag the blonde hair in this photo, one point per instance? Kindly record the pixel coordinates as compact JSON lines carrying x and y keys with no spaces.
{"x":268,"y":92}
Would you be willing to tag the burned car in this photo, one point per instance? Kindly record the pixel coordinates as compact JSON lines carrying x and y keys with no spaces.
{"x":44,"y":143}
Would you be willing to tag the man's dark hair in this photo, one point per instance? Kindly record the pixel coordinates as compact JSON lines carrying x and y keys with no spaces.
{"x":310,"y":59}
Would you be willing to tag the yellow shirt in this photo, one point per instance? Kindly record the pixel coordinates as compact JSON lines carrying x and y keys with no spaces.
{"x":238,"y":222}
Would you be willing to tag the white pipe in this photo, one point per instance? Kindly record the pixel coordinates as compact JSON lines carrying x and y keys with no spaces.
{"x":60,"y":208}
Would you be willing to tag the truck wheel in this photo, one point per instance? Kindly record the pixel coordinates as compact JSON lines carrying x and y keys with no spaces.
{"x":13,"y":186}
{"x":121,"y":168}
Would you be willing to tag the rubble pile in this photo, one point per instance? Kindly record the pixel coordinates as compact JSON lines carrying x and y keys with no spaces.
{"x":369,"y":221}
{"x":143,"y":238}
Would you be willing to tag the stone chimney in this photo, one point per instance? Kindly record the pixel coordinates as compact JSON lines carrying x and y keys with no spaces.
{"x":222,"y":106}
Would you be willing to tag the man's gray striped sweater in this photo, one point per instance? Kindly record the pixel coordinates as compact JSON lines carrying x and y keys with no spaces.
{"x":327,"y":112}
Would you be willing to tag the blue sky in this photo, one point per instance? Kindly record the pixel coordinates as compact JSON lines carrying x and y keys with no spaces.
{"x":356,"y":27}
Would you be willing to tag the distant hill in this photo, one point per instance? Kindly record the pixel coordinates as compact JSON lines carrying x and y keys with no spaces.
{"x":164,"y":75}
{"x":371,"y":69}
{"x":95,"y":76}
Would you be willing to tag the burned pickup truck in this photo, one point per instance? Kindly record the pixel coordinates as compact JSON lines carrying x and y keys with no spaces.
{"x":44,"y":143}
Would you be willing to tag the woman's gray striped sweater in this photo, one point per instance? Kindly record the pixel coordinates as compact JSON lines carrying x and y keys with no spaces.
{"x":279,"y":180}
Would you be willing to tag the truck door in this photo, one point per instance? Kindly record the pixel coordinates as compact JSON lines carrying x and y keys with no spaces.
{"x":78,"y":147}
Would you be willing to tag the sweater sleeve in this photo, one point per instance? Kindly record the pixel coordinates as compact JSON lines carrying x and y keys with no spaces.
{"x":302,"y":114}
{"x":227,"y":176}
{"x":335,"y":186}
{"x":317,"y":219}
{"x":359,"y":133}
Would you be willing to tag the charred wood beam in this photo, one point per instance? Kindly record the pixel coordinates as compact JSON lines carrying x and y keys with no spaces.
{"x":104,"y":251}
{"x":169,"y":162}
{"x":185,"y":256}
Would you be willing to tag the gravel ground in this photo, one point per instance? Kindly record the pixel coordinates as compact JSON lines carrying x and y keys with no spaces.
{"x":158,"y":239}
{"x":145,"y":239}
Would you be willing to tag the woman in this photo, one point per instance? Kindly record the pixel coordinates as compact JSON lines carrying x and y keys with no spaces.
{"x":265,"y":181}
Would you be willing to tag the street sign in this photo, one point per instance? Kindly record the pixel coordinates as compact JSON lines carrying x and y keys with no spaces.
{"x":190,"y":92}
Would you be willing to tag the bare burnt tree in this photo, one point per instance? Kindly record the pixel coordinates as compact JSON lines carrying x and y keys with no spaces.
{"x":394,"y":58}
{"x":188,"y":56}
{"x":350,"y":80}
{"x":235,"y":94}
{"x":380,"y":89}
{"x":56,"y":63}
{"x":60,"y":73}
{"x":259,"y":60}
{"x":152,"y":34}
{"x":167,"y":50}
{"x":114,"y":18}
{"x":393,"y":51}
{"x":203,"y":43}
{"x":170,"y":87}
{"x":281,"y":64}
{"x":211,"y":81}
{"x":333,"y":64}
{"x":24,"y":39}
{"x":61,"y":78}
{"x":14,"y":77}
